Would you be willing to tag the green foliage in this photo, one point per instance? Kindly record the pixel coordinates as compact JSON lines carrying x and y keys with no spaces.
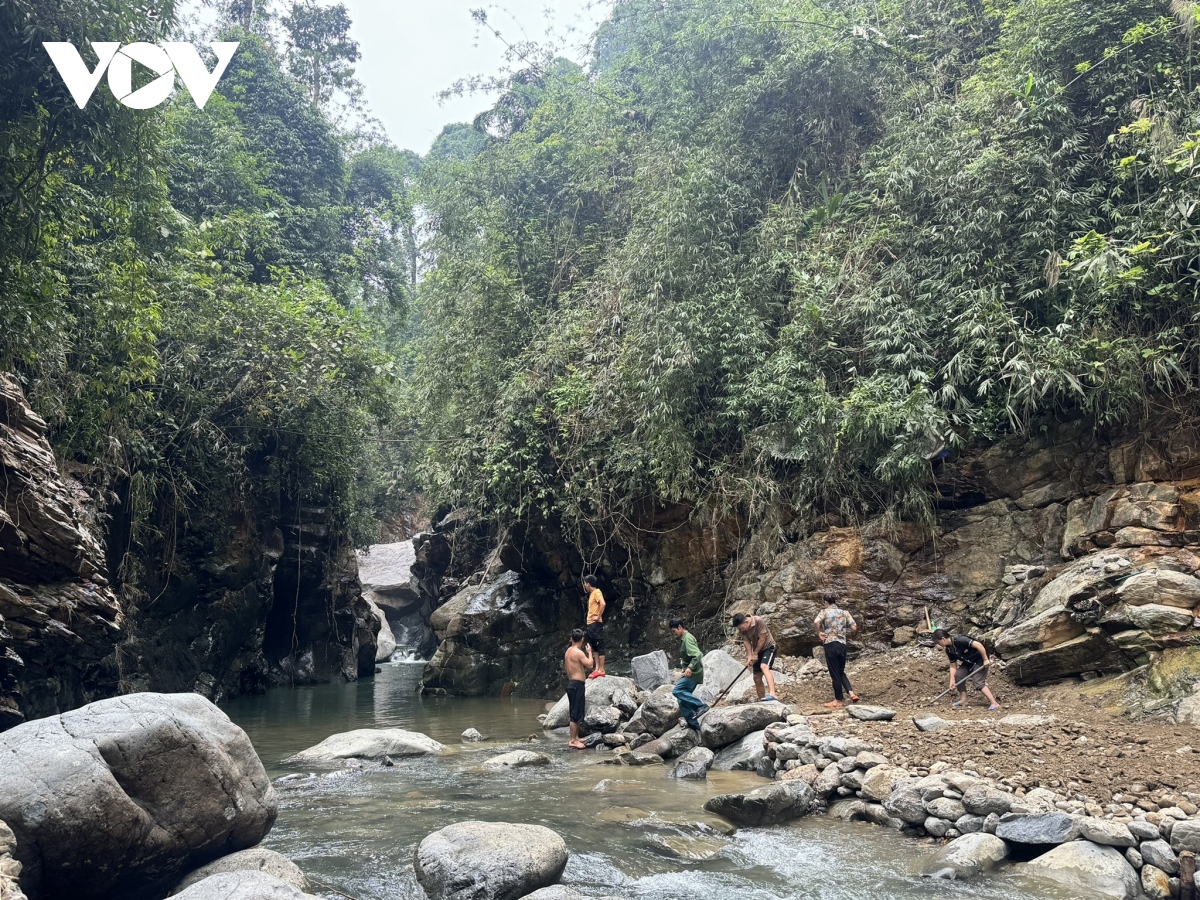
{"x":767,"y":252}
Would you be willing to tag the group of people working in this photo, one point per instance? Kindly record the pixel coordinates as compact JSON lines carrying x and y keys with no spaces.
{"x":584,"y":659}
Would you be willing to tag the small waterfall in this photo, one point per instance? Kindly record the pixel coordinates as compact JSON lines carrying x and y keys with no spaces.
{"x":408,"y":643}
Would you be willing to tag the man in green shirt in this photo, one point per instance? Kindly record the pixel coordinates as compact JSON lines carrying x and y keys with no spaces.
{"x":690,"y":706}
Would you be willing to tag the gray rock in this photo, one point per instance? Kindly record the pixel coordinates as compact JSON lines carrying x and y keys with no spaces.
{"x":680,"y":740}
{"x":991,"y":823}
{"x":982,"y":800}
{"x":385,"y":641}
{"x":652,"y":670}
{"x":936,"y":827}
{"x":966,"y":857}
{"x":837,"y":748}
{"x":555,"y":892}
{"x":743,"y":755}
{"x":603,"y":719}
{"x":1155,"y":883}
{"x":969,"y":824}
{"x":657,"y":715}
{"x":1159,"y":854}
{"x":853,"y":780}
{"x":945,"y":808}
{"x":870,"y":713}
{"x":517,"y":759}
{"x":596,"y":692}
{"x":724,"y":725}
{"x":771,"y":805}
{"x":930,"y":723}
{"x":1026,"y":721}
{"x":242,"y":885}
{"x":880,"y":781}
{"x":1134,"y":858}
{"x":906,"y":803}
{"x":1088,"y":869}
{"x":10,"y":869}
{"x":1184,"y":836}
{"x":719,"y":670}
{"x":121,"y":798}
{"x":623,"y":700}
{"x":1040,"y":828}
{"x":472,"y":735}
{"x":489,"y":860}
{"x":694,"y":764}
{"x":868,"y":760}
{"x":370,"y":743}
{"x":1143,"y":830}
{"x":828,"y":781}
{"x":1106,"y":832}
{"x":256,"y":859}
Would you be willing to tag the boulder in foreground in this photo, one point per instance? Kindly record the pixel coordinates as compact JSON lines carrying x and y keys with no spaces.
{"x":489,"y":861}
{"x":724,"y":725}
{"x":780,"y":802}
{"x":370,"y":743}
{"x":123,"y":797}
{"x":966,"y":857}
{"x":242,"y":886}
{"x":1088,"y":869}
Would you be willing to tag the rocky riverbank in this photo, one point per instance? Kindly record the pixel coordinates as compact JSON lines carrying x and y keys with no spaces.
{"x":998,"y":788}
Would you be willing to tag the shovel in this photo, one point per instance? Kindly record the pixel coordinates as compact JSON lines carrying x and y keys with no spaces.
{"x":721,"y":696}
{"x":957,"y":684}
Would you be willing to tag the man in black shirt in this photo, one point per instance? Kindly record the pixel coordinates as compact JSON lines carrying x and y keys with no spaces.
{"x":965,"y":651}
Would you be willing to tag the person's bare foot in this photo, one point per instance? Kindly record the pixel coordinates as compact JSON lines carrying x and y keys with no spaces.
{"x":577,"y":745}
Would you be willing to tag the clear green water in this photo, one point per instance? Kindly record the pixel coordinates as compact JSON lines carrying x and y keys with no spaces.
{"x":356,"y":830}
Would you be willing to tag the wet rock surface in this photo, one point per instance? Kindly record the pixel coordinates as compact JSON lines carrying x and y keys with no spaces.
{"x":489,"y":861}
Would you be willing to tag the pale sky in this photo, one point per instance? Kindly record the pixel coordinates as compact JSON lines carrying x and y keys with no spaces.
{"x":411,"y":49}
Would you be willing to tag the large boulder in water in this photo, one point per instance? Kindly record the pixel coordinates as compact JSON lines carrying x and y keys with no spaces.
{"x":489,"y":861}
{"x":780,"y":802}
{"x":370,"y":743}
{"x":722,"y":726}
{"x":256,"y":859}
{"x":597,"y":693}
{"x":241,"y":885}
{"x":385,"y":641}
{"x":742,"y":755}
{"x":123,"y":797}
{"x":1087,"y":870}
{"x":966,"y":857}
{"x":657,"y":715}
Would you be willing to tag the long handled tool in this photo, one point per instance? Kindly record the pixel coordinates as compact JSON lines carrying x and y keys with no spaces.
{"x":958,"y":682}
{"x":721,"y":696}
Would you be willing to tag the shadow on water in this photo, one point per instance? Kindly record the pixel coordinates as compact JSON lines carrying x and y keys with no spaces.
{"x":639,"y":834}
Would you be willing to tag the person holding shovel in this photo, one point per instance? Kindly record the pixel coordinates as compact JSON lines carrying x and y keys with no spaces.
{"x":963,"y":650}
{"x":691,"y":707}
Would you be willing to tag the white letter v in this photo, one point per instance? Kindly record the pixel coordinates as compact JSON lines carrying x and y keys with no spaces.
{"x":196,"y":78}
{"x":80,"y":82}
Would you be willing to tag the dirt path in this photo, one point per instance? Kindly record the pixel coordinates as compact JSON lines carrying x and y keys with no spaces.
{"x":1088,"y":753}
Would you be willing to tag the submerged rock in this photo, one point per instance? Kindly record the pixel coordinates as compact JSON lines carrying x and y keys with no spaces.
{"x":966,"y":857}
{"x":121,"y":798}
{"x":256,"y":859}
{"x":1089,"y":869}
{"x":517,"y":759}
{"x":472,"y":735}
{"x":693,"y":764}
{"x":369,"y":743}
{"x":489,"y":861}
{"x":771,"y":805}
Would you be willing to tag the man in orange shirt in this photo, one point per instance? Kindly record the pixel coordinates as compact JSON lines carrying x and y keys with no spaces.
{"x":595,"y":623}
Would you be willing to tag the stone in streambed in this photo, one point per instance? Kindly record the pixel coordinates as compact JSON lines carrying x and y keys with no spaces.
{"x":472,"y":736}
{"x":966,"y":857}
{"x":982,"y":800}
{"x":930,"y":723}
{"x":242,"y":885}
{"x":517,"y":759}
{"x":603,"y":719}
{"x":1040,"y":828}
{"x":1155,"y":883}
{"x":1158,"y":853}
{"x":369,"y":743}
{"x":694,"y":764}
{"x":771,"y":805}
{"x":742,"y":755}
{"x":657,"y":715}
{"x":1184,"y":836}
{"x":880,"y":781}
{"x":906,"y":803}
{"x":121,"y":798}
{"x":256,"y":859}
{"x":870,"y":713}
{"x":489,"y":861}
{"x":722,"y":726}
{"x":1106,"y":832}
{"x":689,"y":847}
{"x":555,"y":892}
{"x":1090,"y":870}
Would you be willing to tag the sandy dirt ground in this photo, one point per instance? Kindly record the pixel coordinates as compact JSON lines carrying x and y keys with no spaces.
{"x":1091,"y":752}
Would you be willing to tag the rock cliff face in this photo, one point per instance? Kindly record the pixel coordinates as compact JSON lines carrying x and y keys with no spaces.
{"x":258,"y":597}
{"x":405,"y":590}
{"x":59,"y":617}
{"x":1072,"y":554}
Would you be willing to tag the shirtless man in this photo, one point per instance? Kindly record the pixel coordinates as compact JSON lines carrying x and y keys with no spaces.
{"x":578,"y":660}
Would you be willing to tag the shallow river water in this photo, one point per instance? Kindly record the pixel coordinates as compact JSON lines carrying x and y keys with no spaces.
{"x":355,"y":830}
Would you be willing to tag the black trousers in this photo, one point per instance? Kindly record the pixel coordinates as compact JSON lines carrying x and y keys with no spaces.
{"x":835,"y":658}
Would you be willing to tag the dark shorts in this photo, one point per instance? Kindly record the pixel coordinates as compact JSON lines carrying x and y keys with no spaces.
{"x":764,"y":659}
{"x":977,"y":679}
{"x":575,"y":700}
{"x":595,"y":637}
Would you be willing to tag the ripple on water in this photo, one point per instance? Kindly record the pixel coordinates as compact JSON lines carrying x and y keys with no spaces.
{"x":642,"y":835}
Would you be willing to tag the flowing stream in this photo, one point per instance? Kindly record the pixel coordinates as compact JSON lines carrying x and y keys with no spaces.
{"x":355,"y":830}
